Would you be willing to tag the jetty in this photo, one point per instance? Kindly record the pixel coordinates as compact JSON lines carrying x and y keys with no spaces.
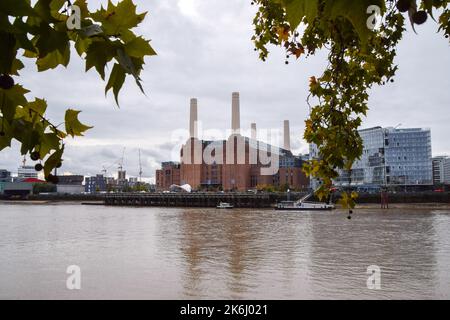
{"x":207,"y":199}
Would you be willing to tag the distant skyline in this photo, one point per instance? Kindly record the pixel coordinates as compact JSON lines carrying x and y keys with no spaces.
{"x":205,"y":52}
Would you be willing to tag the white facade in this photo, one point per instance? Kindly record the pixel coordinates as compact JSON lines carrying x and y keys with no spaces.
{"x":441,"y":170}
{"x":27,"y":172}
{"x":446,"y":168}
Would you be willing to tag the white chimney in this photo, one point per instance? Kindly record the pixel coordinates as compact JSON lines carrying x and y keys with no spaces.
{"x":287,"y":136}
{"x":235,"y":114}
{"x":193,"y":119}
{"x":253,"y":131}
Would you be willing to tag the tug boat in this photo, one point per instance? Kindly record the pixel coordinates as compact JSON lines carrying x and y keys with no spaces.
{"x":304,"y":205}
{"x":224,"y":205}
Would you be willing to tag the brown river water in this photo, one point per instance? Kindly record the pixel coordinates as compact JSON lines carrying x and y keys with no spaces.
{"x":180,"y":253}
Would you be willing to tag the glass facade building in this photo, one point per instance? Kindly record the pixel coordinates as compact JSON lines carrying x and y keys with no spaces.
{"x":392,"y":157}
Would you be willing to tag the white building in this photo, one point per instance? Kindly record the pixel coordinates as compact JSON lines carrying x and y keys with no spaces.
{"x":441,"y":170}
{"x":25,"y":172}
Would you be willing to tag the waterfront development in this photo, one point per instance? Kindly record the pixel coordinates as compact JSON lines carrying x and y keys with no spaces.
{"x":223,"y":155}
{"x":199,"y":253}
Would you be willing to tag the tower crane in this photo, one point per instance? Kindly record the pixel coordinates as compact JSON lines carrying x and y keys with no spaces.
{"x":121,"y":160}
{"x":140,"y":167}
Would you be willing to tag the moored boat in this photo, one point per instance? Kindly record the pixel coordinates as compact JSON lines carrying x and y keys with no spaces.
{"x":224,"y":205}
{"x":302,"y":204}
{"x":307,"y":206}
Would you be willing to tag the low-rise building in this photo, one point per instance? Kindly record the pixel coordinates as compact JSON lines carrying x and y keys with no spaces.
{"x":441,"y":170}
{"x":5,"y":176}
{"x":24,"y":172}
{"x":168,"y":175}
{"x":70,"y":184}
{"x":95,"y":184}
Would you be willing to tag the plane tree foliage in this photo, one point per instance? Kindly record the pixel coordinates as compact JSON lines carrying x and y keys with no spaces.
{"x":360,"y":54}
{"x":48,"y":32}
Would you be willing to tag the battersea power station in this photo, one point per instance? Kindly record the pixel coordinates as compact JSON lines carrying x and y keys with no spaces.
{"x":238,"y":163}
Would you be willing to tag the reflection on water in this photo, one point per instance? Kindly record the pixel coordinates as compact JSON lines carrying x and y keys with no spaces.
{"x":151,"y":253}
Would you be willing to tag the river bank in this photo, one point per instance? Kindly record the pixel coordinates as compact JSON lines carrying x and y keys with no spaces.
{"x":420,"y":200}
{"x":361,"y":207}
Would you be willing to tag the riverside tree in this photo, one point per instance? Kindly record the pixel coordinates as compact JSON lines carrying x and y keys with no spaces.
{"x":45,"y":33}
{"x":360,"y":38}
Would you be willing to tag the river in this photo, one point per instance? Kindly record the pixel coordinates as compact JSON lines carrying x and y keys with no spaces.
{"x":185,"y":253}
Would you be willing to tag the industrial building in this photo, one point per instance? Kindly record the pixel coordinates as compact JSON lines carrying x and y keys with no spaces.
{"x":70,"y":184}
{"x":237,"y":163}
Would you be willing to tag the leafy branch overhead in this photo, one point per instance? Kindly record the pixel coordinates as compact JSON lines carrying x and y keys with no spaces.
{"x":360,"y":55}
{"x":45,"y":32}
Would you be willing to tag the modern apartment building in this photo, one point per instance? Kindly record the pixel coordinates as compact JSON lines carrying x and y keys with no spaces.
{"x":95,"y":184}
{"x":441,"y":170}
{"x":391,"y":157}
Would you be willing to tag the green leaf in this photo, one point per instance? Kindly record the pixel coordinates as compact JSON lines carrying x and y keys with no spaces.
{"x":139,"y":47}
{"x":355,"y":12}
{"x":118,"y":20}
{"x":8,"y":52}
{"x":53,"y":161}
{"x":98,"y":55}
{"x":299,"y":10}
{"x":5,"y":140}
{"x":50,"y":40}
{"x":39,"y":106}
{"x":30,"y":140}
{"x":116,"y":80}
{"x":21,"y":31}
{"x":43,"y":9}
{"x":16,"y":66}
{"x":126,"y":62}
{"x":16,"y":7}
{"x":73,"y":126}
{"x":54,"y":59}
{"x":49,"y":142}
{"x":11,"y":99}
{"x":82,"y":45}
{"x":82,"y":4}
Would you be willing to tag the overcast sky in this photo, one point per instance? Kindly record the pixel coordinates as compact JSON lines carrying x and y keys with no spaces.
{"x":204,"y":51}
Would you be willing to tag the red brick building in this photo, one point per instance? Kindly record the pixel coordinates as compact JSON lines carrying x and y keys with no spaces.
{"x":168,"y":175}
{"x":235,"y":164}
{"x":240,"y":171}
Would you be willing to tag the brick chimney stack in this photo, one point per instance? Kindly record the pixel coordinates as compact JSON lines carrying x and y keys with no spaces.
{"x":235,"y":114}
{"x":193,"y":130}
{"x":253,"y":130}
{"x":287,"y":136}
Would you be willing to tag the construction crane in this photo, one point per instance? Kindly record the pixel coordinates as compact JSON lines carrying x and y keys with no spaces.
{"x":105,"y":169}
{"x":109,"y":166}
{"x":121,"y":160}
{"x":140,"y":167}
